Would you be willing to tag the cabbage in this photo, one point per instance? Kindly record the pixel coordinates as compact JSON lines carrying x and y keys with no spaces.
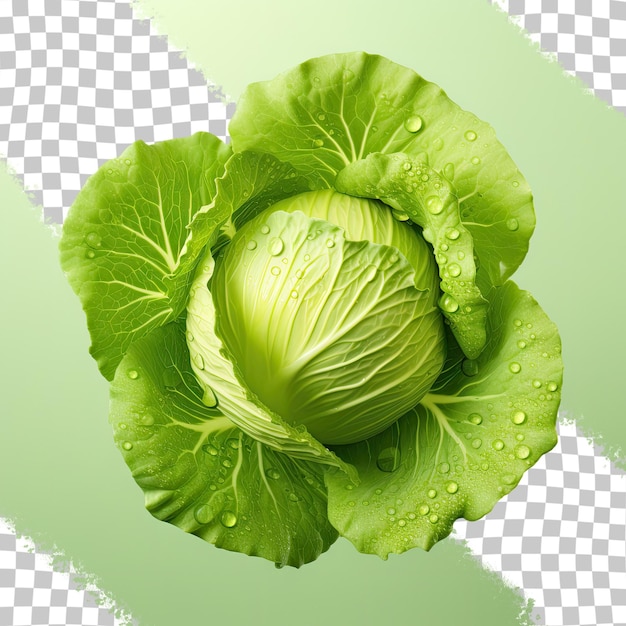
{"x":311,"y":332}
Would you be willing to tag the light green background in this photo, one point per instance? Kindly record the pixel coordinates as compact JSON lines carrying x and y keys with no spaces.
{"x":62,"y":479}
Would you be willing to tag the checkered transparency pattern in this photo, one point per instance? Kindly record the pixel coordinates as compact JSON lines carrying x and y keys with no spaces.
{"x":33,"y":592}
{"x":588,"y":38}
{"x":560,"y":536}
{"x":82,"y":79}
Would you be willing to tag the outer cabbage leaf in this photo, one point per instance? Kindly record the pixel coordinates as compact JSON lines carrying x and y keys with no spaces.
{"x":335,"y":110}
{"x":125,"y":237}
{"x":418,"y":191}
{"x":468,"y":443}
{"x":200,"y":472}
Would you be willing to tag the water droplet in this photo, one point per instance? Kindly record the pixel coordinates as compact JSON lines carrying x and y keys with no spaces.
{"x":470,"y":367}
{"x":407,"y":166}
{"x":434,"y":205}
{"x":434,"y":518}
{"x":265,"y":229}
{"x":146,"y":420}
{"x":475,"y":160}
{"x":307,"y":257}
{"x":93,"y":240}
{"x":452,"y":487}
{"x":537,"y":384}
{"x":391,"y":511}
{"x":453,"y":234}
{"x":203,"y":514}
{"x":321,"y":117}
{"x":294,"y":294}
{"x":444,"y":468}
{"x":515,"y":183}
{"x":210,"y":449}
{"x":521,"y":344}
{"x":448,"y":171}
{"x":127,"y":445}
{"x":299,"y":274}
{"x":330,"y":243}
{"x":442,"y":259}
{"x":515,"y":367}
{"x":189,"y":336}
{"x":209,"y":399}
{"x":497,"y":444}
{"x":228,"y":519}
{"x":388,"y":460}
{"x":519,"y":437}
{"x":294,"y":497}
{"x":454,"y":270}
{"x":90,"y":254}
{"x":517,"y":323}
{"x":522,"y":451}
{"x":424,"y":509}
{"x":508,"y":479}
{"x":227,"y":463}
{"x":477,"y":443}
{"x":448,"y":303}
{"x":552,"y":387}
{"x":133,"y":374}
{"x":475,"y":418}
{"x":512,"y":224}
{"x":318,"y":143}
{"x":413,"y":123}
{"x":251,"y":245}
{"x":470,"y":135}
{"x":275,"y":270}
{"x":402,"y":522}
{"x":519,"y":417}
{"x":400,"y":216}
{"x":438,"y":143}
{"x":276,"y":246}
{"x":432,"y":493}
{"x":199,"y":361}
{"x":272,"y":473}
{"x":460,"y":255}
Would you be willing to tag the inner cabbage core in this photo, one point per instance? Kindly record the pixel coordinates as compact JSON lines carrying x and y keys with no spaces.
{"x":328,"y":307}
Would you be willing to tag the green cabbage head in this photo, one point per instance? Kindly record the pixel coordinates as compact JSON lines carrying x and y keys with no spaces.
{"x":311,"y":332}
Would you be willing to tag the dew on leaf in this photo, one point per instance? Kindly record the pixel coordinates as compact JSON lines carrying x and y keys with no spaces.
{"x":452,"y":487}
{"x":515,"y":367}
{"x":413,"y":123}
{"x":448,"y":303}
{"x":272,"y":473}
{"x":470,"y":367}
{"x":470,"y":135}
{"x":228,"y":519}
{"x":475,"y":418}
{"x":434,"y":205}
{"x":522,"y":451}
{"x":454,"y":270}
{"x":519,"y":417}
{"x":497,"y":444}
{"x":93,"y":240}
{"x":388,"y":460}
